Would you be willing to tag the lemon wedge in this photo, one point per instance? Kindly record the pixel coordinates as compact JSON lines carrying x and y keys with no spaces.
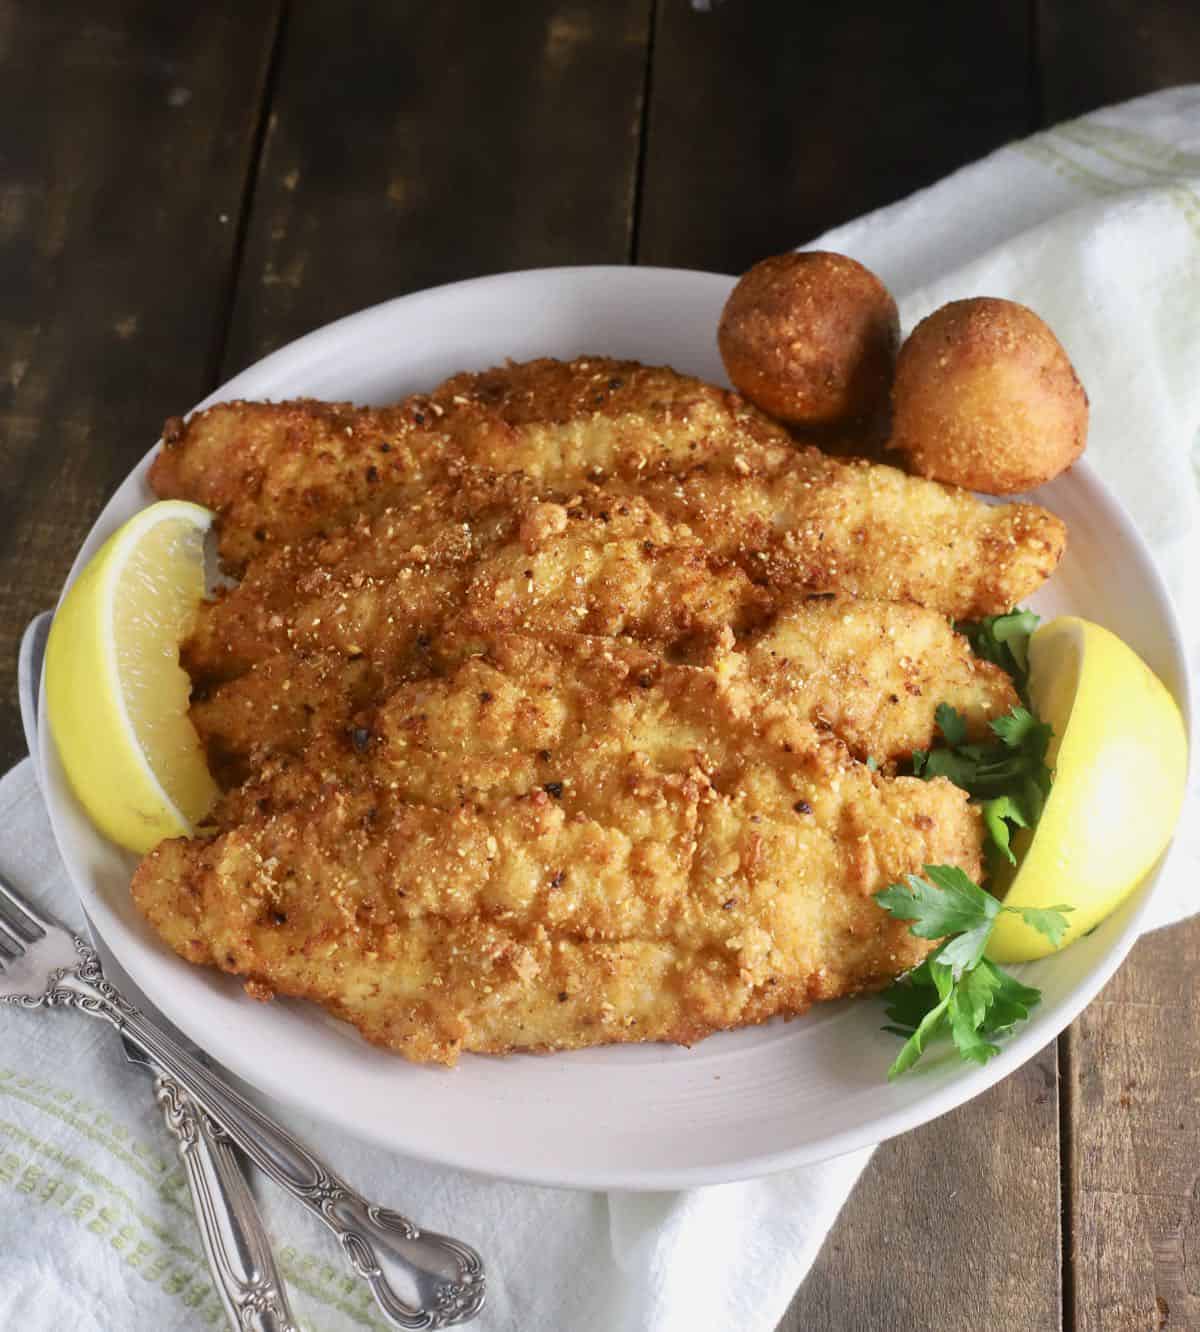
{"x":1119,"y":755}
{"x":116,"y":695}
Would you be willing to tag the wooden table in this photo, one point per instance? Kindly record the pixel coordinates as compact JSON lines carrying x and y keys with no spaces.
{"x":184,"y":187}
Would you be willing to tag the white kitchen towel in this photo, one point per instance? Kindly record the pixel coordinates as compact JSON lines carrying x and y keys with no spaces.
{"x":1097,"y":225}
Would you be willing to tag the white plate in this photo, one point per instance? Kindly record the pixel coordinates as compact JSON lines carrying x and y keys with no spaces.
{"x":637,"y":1117}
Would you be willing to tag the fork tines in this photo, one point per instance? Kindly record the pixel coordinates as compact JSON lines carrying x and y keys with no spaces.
{"x":19,"y":923}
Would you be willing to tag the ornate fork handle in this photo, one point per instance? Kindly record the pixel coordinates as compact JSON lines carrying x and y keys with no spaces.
{"x":441,"y":1280}
{"x":248,"y":1282}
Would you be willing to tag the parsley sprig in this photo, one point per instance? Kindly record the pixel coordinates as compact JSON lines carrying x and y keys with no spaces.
{"x":1008,"y":775}
{"x":956,"y":987}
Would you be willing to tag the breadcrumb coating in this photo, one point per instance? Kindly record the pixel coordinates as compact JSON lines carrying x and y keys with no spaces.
{"x":544,"y":701}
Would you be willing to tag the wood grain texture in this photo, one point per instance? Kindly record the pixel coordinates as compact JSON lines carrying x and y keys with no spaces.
{"x":955,"y":1225}
{"x":772,"y":121}
{"x":1134,"y":1095}
{"x":125,"y":132}
{"x":1106,"y":51}
{"x":411,"y":144}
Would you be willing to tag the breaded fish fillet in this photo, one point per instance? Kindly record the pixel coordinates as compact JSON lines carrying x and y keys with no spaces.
{"x":563,"y":842}
{"x":873,"y":673}
{"x":276,"y":473}
{"x":606,"y":564}
{"x":318,"y":629}
{"x":544,"y":700}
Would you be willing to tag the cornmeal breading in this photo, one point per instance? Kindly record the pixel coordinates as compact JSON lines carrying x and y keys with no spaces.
{"x":605,"y":564}
{"x":316,"y":630}
{"x":563,"y":842}
{"x":870,"y":673}
{"x":544,"y":702}
{"x":276,"y":473}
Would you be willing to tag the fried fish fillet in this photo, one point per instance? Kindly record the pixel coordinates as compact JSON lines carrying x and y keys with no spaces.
{"x":560,"y":842}
{"x":605,"y":564}
{"x":872,"y":673}
{"x":790,"y":515}
{"x":544,"y":702}
{"x":318,"y":629}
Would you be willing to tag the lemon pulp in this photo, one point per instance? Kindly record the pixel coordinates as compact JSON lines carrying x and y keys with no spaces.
{"x":117,"y":697}
{"x":1119,"y":755}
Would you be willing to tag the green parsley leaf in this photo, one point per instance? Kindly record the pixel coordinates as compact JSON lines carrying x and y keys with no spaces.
{"x":997,"y":814}
{"x":1020,"y":729}
{"x":960,"y":767}
{"x":1009,"y":774}
{"x":977,"y":992}
{"x":952,"y":724}
{"x":1011,"y":1001}
{"x":910,"y":998}
{"x":927,"y":1028}
{"x":956,"y":987}
{"x":946,"y":902}
{"x":963,"y":953}
{"x":986,"y":1002}
{"x":1014,"y":631}
{"x":951,"y":879}
{"x":914,"y":1047}
{"x":1050,"y":921}
{"x":964,"y":1028}
{"x":919,"y":978}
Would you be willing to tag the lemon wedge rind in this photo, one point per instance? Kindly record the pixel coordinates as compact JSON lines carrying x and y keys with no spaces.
{"x":139,"y":773}
{"x":1119,"y":755}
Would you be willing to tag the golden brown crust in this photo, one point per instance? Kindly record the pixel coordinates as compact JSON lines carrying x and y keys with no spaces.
{"x":668,"y":847}
{"x":317,"y":629}
{"x":277,"y":470}
{"x":704,"y":458}
{"x":534,"y":735}
{"x":872,"y":673}
{"x":985,"y":397}
{"x":811,"y":338}
{"x":824,"y":525}
{"x":315,"y":632}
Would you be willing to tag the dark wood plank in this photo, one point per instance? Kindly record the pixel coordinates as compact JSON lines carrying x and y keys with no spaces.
{"x":772,"y":121}
{"x":413,"y":144}
{"x":1106,"y":51}
{"x":953,"y":1226}
{"x":1134,"y":1096}
{"x":1132,"y":1062}
{"x":125,"y":135}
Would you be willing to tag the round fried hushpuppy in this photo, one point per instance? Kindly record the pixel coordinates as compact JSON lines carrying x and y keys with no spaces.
{"x":985,"y":397}
{"x":811,"y":339}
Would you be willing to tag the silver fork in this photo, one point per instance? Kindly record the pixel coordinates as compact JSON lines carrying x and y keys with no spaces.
{"x":43,"y":965}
